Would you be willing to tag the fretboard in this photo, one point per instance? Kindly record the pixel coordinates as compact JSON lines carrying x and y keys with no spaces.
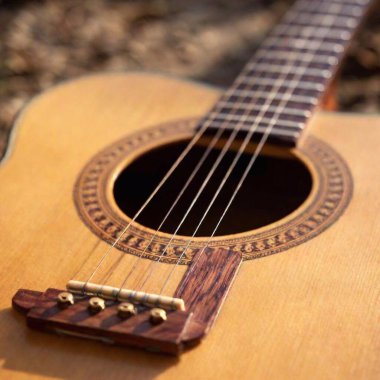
{"x":280,"y":87}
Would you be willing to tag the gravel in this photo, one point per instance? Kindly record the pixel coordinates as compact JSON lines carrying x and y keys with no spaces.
{"x":44,"y":42}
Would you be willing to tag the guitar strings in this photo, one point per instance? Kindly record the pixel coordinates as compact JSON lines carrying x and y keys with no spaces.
{"x":205,"y":124}
{"x":175,"y":165}
{"x":241,"y":150}
{"x":217,"y":162}
{"x":179,"y":196}
{"x":155,"y":191}
{"x":262,"y":142}
{"x":193,"y":174}
{"x":180,"y":158}
{"x":241,"y":181}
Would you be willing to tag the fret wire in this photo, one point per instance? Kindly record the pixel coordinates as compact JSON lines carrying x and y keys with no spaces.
{"x":293,"y":43}
{"x":348,"y":23}
{"x":278,"y":62}
{"x":308,"y":81}
{"x":330,"y":60}
{"x":333,"y":38}
{"x":280,"y":55}
{"x":342,"y":3}
{"x":264,"y":94}
{"x":326,"y":14}
{"x":347,"y":10}
{"x":354,"y":2}
{"x":304,"y":54}
{"x":305,"y":50}
{"x":226,"y":110}
{"x":226,"y":208}
{"x":242,"y":179}
{"x":291,"y":20}
{"x":256,"y":107}
{"x":286,"y":123}
{"x":253,"y":66}
{"x":290,"y":120}
{"x":326,"y":19}
{"x":281,"y":131}
{"x":265,"y":53}
{"x":312,"y":101}
{"x":274,"y":68}
{"x":307,"y":100}
{"x":306,"y":85}
{"x":343,"y":35}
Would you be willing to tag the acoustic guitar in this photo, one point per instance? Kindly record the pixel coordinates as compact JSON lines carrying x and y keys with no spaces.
{"x":147,"y":212}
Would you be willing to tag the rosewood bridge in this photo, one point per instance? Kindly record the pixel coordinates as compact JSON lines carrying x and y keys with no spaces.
{"x":152,"y":322}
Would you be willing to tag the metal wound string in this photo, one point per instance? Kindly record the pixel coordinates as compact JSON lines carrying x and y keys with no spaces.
{"x":262,"y":142}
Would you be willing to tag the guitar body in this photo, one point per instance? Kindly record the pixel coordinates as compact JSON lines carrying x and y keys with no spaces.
{"x":309,"y":312}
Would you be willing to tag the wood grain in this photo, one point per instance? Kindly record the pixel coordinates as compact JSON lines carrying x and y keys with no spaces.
{"x":206,"y":283}
{"x":311,"y":312}
{"x":311,"y":64}
{"x":204,"y":288}
{"x":44,"y":314}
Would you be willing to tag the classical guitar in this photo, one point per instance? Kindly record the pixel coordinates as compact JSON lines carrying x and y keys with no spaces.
{"x":134,"y":207}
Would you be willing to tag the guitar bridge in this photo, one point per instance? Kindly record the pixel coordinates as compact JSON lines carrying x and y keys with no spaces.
{"x":127,"y":295}
{"x":124,"y":317}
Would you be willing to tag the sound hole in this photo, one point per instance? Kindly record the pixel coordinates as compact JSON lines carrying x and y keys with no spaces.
{"x":273,"y":189}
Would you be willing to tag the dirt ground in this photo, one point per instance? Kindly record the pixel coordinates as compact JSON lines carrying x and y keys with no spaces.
{"x":44,"y":42}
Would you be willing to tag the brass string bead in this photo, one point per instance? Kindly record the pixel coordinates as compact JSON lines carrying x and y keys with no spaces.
{"x":157,"y":316}
{"x":96,"y":304}
{"x":65,"y":299}
{"x":126,"y":310}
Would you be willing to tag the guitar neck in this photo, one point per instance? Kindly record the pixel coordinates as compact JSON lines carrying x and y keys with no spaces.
{"x":280,"y":87}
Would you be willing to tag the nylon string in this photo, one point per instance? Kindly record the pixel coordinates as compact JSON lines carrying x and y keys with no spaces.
{"x":199,"y":165}
{"x":283,"y":103}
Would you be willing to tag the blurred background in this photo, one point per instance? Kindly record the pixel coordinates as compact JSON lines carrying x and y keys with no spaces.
{"x":44,"y":42}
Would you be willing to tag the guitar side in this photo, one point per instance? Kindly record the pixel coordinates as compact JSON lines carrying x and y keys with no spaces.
{"x":309,"y":312}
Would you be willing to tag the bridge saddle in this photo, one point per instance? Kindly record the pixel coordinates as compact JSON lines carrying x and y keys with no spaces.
{"x":127,"y":295}
{"x":152,"y":322}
